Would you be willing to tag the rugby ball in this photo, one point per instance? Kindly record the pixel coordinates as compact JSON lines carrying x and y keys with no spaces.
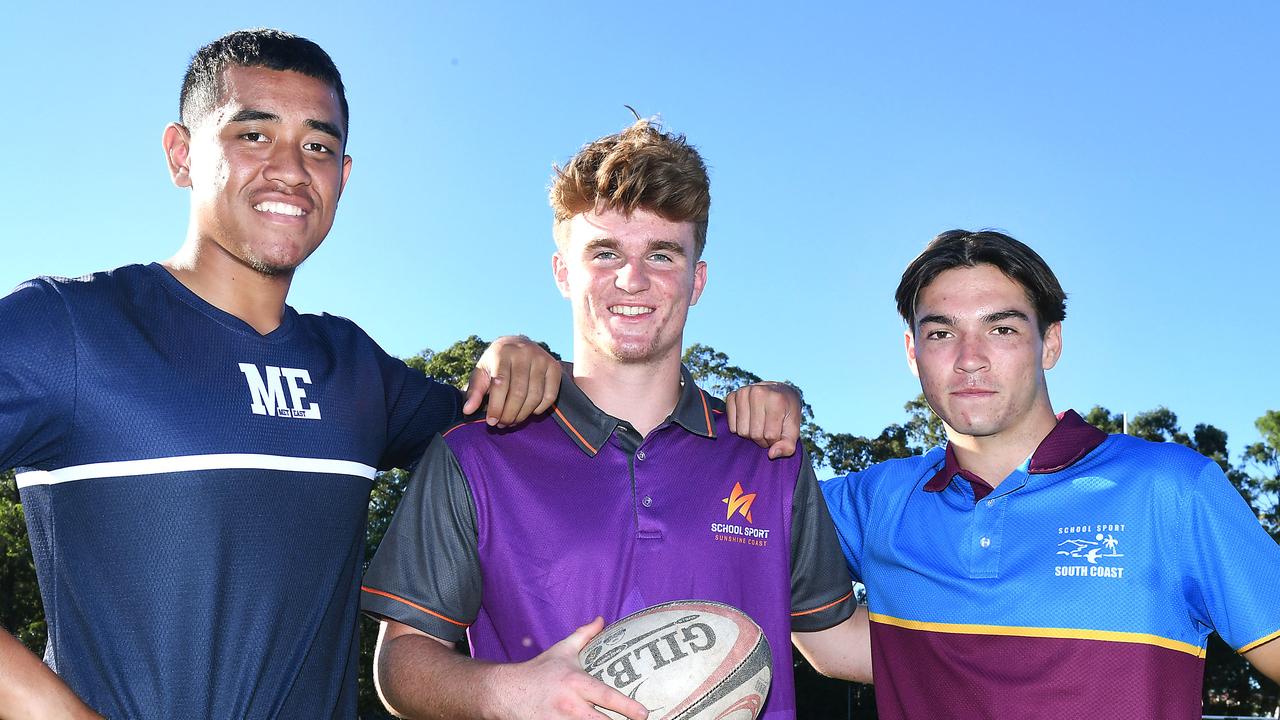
{"x":685,"y":660}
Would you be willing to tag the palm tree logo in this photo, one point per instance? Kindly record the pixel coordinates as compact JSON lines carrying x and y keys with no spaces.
{"x":1109,"y":542}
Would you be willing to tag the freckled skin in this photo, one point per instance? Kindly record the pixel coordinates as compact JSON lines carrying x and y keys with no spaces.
{"x":643,"y":261}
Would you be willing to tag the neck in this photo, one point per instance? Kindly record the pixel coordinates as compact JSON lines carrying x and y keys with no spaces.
{"x":225,"y":282}
{"x":643,"y":394}
{"x":994,"y":457}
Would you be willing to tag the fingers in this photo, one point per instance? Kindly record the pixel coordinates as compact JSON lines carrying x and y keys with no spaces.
{"x":748,"y":410}
{"x":514,"y":375}
{"x":787,"y":444}
{"x":767,"y":417}
{"x":550,"y":388}
{"x":477,"y":386}
{"x":731,"y":411}
{"x":520,"y":377}
{"x":579,"y":638}
{"x":768,"y":414}
{"x":602,"y":695}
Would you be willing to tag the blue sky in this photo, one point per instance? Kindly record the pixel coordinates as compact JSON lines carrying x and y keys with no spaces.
{"x":1134,"y":145}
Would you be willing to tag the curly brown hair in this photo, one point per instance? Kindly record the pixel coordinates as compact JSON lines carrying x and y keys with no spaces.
{"x":640,"y":168}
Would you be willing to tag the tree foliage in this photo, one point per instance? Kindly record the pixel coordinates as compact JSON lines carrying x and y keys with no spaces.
{"x":21,"y":613}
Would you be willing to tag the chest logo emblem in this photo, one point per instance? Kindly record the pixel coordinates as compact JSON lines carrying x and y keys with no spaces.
{"x":1097,"y":545}
{"x":279,"y":392}
{"x":740,"y":502}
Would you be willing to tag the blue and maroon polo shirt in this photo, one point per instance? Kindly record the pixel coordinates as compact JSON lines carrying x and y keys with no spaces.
{"x":518,"y":536}
{"x":1084,"y":585}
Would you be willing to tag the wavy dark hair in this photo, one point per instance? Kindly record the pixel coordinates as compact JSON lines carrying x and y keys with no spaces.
{"x":964,"y":248}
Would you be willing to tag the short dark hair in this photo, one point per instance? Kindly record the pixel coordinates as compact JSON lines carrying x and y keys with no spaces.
{"x":963,"y":248}
{"x":202,"y":86}
{"x":640,"y":168}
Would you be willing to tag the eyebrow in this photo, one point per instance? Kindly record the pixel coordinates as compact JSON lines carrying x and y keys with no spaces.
{"x":987,"y":319}
{"x":249,"y":114}
{"x":669,"y":246}
{"x":996,"y":317}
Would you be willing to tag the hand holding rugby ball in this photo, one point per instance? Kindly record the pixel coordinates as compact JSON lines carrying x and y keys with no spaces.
{"x":685,"y":660}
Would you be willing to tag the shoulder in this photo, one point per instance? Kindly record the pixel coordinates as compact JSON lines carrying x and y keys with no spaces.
{"x":897,"y":476}
{"x":84,"y":288}
{"x":473,"y":439}
{"x":1162,"y":460}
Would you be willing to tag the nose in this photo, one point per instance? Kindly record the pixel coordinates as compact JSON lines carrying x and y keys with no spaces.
{"x":972,"y":355}
{"x":632,"y":277}
{"x":287,"y":165}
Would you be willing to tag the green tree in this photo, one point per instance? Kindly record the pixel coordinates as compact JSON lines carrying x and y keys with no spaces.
{"x":1263,"y":459}
{"x":21,"y":613}
{"x":924,"y":428}
{"x":713,"y":372}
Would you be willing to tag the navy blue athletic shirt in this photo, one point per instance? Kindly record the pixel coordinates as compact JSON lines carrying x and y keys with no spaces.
{"x":196,"y":492}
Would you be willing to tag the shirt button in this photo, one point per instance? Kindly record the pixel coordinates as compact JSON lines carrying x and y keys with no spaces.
{"x":647,"y":501}
{"x":991,"y":503}
{"x":640,"y":455}
{"x":985,"y":542}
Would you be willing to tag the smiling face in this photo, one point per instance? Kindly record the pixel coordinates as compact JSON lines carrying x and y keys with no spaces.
{"x":979,"y":354}
{"x":265,"y":168}
{"x":631,"y":281}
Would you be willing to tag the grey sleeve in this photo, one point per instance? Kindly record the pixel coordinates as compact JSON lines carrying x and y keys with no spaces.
{"x":426,"y":572}
{"x":821,"y":589}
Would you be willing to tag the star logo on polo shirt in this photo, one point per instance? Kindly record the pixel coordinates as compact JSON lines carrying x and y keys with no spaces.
{"x":739,"y":502}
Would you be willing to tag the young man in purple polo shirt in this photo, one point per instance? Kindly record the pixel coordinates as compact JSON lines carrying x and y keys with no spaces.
{"x":631,"y":492}
{"x":1035,"y":566}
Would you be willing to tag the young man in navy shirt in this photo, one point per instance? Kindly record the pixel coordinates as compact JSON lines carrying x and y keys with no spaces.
{"x":631,"y":492}
{"x":1035,"y":566}
{"x":195,"y":456}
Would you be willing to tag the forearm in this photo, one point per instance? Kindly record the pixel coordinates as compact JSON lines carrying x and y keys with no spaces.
{"x":29,"y":689}
{"x":420,"y":677}
{"x":843,"y":651}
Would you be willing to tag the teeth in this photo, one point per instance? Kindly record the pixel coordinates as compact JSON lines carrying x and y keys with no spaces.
{"x":629,"y":310}
{"x":279,"y":208}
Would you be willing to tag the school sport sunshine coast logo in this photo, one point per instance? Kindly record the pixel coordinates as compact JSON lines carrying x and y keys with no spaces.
{"x":1091,"y":551}
{"x":739,"y":503}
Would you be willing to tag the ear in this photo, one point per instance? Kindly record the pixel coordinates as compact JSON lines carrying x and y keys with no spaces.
{"x":561,"y":272}
{"x":699,"y":281}
{"x":1052,"y":349}
{"x":911,"y":352}
{"x":177,"y":152}
{"x":346,"y":173}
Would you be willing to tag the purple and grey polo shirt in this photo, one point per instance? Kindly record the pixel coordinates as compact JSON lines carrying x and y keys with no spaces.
{"x":516,"y":537}
{"x":1084,"y":585}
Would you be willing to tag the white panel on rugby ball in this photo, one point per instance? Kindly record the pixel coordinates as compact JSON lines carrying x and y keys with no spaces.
{"x":685,"y":660}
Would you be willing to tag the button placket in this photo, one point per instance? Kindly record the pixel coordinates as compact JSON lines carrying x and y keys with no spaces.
{"x":988,"y":519}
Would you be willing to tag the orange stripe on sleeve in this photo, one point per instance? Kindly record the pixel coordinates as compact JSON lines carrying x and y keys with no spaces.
{"x":413,"y":605}
{"x":824,"y":607}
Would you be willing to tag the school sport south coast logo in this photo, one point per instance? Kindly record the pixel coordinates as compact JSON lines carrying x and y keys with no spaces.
{"x":731,"y":529}
{"x":1091,"y":551}
{"x":278,"y":392}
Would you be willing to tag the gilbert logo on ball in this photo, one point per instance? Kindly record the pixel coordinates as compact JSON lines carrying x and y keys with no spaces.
{"x":685,"y":660}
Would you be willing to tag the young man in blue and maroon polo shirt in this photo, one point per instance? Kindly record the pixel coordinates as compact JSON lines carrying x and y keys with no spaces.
{"x":1036,"y":567}
{"x":631,"y":492}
